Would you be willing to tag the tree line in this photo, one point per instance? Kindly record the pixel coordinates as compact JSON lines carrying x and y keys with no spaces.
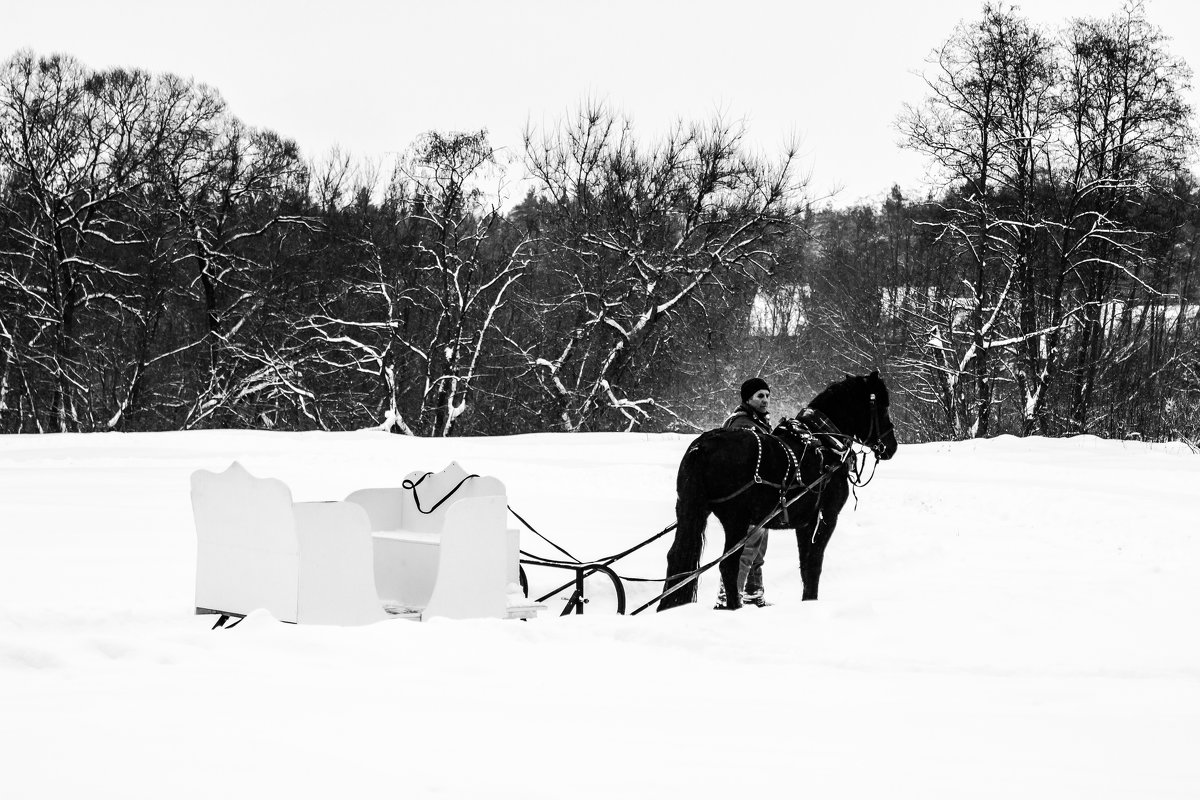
{"x":164,"y":266}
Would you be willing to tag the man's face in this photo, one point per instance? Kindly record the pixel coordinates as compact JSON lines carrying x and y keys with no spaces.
{"x":760,"y":400}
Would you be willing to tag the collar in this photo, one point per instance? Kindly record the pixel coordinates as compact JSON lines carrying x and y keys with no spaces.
{"x":823,"y":427}
{"x":748,"y":410}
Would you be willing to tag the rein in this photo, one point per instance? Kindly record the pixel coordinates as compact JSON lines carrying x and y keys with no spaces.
{"x":412,"y":486}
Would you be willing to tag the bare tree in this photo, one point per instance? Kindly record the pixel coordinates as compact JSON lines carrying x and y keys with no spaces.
{"x":1047,"y":147}
{"x":428,"y":313}
{"x":231,"y":215}
{"x":1125,"y":128}
{"x":986,"y":123}
{"x":630,"y":235}
{"x":78,"y":149}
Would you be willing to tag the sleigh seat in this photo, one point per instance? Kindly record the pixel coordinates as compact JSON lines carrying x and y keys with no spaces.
{"x":442,"y":546}
{"x":257,"y":549}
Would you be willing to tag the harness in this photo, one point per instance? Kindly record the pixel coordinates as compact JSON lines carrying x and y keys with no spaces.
{"x":812,"y":426}
{"x":757,"y":479}
{"x":813,"y":429}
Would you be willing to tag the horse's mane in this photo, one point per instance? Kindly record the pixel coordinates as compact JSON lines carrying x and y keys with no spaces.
{"x":843,"y":401}
{"x":835,"y":394}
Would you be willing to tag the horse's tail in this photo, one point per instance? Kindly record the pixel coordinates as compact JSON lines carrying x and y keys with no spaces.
{"x":691,"y":518}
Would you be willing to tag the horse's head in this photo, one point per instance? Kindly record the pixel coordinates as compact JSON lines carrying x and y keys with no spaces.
{"x":858,"y":405}
{"x":881,"y":435}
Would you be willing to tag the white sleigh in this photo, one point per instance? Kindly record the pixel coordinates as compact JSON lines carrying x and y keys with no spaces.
{"x":442,"y":547}
{"x":373,"y":556}
{"x":303,"y":562}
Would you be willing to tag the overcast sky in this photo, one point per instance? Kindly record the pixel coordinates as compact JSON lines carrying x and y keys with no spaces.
{"x":370,"y":76}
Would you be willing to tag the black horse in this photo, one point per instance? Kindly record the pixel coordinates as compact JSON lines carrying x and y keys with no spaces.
{"x":740,"y":476}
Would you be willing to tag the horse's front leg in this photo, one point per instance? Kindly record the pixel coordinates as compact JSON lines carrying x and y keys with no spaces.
{"x":812,"y":536}
{"x":729,"y":575}
{"x":736,"y":526}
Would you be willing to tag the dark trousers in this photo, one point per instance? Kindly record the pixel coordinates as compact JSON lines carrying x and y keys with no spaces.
{"x":750,"y":580}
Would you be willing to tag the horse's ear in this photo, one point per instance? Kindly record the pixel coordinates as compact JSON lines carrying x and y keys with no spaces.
{"x":874,"y":373}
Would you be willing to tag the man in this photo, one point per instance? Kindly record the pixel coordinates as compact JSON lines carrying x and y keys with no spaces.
{"x":751,"y":414}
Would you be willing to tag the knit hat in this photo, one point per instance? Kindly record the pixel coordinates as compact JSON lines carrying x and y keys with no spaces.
{"x":751,"y":386}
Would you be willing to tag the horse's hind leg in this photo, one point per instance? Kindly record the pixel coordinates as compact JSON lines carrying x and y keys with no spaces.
{"x":680,"y":565}
{"x":691,"y":517}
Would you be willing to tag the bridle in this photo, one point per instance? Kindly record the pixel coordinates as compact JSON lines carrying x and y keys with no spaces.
{"x":876,"y":433}
{"x":874,"y":442}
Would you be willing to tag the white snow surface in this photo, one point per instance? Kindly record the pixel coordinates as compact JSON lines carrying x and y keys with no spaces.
{"x":998,"y":619}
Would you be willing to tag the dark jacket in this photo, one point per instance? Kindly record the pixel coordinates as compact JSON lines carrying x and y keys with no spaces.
{"x":747,"y":417}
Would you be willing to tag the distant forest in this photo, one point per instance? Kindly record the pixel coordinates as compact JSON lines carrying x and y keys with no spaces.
{"x":165,"y":267}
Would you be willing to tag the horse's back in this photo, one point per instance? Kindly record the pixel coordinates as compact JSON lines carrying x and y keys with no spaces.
{"x":715,"y":461}
{"x":718,"y":444}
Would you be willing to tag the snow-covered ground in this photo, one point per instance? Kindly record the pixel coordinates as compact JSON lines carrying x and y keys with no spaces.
{"x":998,"y":619}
